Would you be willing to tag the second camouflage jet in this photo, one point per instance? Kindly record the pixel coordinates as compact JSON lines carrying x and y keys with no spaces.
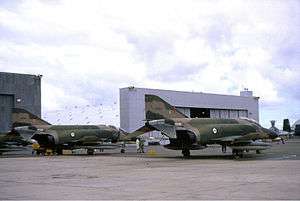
{"x":46,"y":138}
{"x":58,"y":137}
{"x":196,"y":133}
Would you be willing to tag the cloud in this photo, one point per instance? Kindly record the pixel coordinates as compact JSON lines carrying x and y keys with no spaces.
{"x":87,"y":50}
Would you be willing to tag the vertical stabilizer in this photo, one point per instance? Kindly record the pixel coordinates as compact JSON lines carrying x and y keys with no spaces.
{"x":286,"y":125}
{"x":157,"y":108}
{"x":22,"y":117}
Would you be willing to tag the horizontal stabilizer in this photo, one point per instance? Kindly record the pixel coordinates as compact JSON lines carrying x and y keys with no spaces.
{"x":134,"y":134}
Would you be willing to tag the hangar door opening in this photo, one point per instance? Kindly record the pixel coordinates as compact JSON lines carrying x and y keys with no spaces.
{"x":200,"y":113}
{"x":6,"y":105}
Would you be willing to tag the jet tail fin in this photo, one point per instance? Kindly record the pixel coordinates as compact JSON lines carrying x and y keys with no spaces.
{"x":22,"y":117}
{"x":157,"y":108}
{"x":286,"y":125}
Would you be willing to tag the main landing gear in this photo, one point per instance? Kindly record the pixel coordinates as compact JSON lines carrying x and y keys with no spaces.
{"x":223,"y":148}
{"x":90,"y":151}
{"x":186,"y":153}
{"x":237,"y":153}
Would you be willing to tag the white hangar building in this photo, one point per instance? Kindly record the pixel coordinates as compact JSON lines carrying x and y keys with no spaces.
{"x":192,"y":104}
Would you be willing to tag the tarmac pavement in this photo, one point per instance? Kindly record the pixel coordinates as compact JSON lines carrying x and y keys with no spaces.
{"x":158,"y":174}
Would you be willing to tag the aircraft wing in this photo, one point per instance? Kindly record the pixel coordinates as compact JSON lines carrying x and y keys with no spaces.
{"x":166,"y":127}
{"x":136,"y":133}
{"x":90,"y":142}
{"x":227,"y":139}
{"x":100,"y":146}
{"x":161,"y":125}
{"x":240,"y":138}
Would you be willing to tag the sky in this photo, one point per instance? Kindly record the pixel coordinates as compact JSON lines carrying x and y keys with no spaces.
{"x":87,"y":50}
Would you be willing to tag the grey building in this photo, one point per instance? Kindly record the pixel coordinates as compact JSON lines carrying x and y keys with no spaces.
{"x":18,"y":91}
{"x":192,"y":104}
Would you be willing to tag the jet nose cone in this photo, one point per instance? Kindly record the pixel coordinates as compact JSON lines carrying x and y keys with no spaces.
{"x":272,"y":134}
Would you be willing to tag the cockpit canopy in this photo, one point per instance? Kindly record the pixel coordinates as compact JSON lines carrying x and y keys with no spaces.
{"x":252,"y":121}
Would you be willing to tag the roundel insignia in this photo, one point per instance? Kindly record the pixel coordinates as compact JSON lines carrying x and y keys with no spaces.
{"x":214,"y":130}
{"x":72,"y":134}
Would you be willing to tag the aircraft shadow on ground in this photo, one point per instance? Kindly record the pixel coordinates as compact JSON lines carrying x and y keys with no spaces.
{"x":212,"y":157}
{"x":246,"y":157}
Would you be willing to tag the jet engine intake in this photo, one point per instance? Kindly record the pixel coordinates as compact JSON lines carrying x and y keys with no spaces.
{"x":185,"y":139}
{"x":44,"y":139}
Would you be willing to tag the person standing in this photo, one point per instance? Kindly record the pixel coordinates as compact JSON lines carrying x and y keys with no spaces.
{"x":137,"y":142}
{"x":141,"y":145}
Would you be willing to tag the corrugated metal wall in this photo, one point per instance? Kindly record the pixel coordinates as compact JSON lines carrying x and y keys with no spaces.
{"x":24,"y":92}
{"x":233,"y":114}
{"x":6,"y":105}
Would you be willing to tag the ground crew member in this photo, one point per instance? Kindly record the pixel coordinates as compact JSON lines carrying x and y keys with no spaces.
{"x":137,"y":142}
{"x":35,"y":148}
{"x":141,"y":145}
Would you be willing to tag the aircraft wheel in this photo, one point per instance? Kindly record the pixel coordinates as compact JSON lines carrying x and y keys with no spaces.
{"x":223,"y":148}
{"x":59,"y":151}
{"x":90,"y":151}
{"x":241,"y":155}
{"x":186,"y":152}
{"x":236,"y":154}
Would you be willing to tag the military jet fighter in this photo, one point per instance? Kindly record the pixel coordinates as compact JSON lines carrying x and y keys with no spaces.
{"x":187,"y":134}
{"x":54,"y":138}
{"x":90,"y":137}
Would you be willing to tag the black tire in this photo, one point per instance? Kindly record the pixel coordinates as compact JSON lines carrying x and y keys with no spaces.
{"x":241,"y":155}
{"x":235,"y":154}
{"x":59,"y":151}
{"x":223,"y":148}
{"x":90,"y":151}
{"x":186,"y":153}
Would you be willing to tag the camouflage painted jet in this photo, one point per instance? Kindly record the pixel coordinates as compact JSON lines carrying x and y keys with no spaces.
{"x":90,"y":137}
{"x":55,"y":138}
{"x":196,"y":133}
{"x":19,"y":137}
{"x":13,"y":141}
